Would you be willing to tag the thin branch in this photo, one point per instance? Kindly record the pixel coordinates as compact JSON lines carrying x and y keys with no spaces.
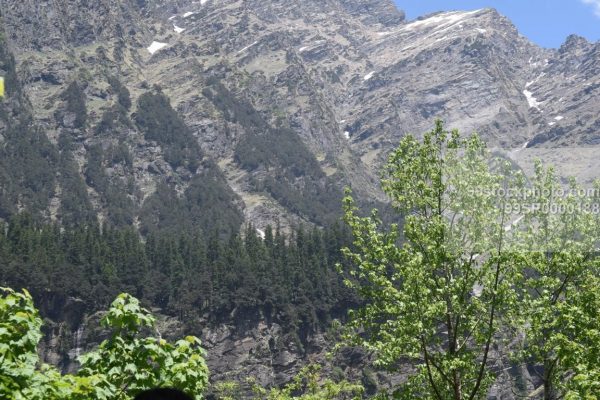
{"x":429,"y":374}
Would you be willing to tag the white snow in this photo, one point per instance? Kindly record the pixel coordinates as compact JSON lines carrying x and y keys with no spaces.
{"x":369,"y":75}
{"x":171,"y":18}
{"x":156,"y":46}
{"x":302,"y":49}
{"x":343,"y":121}
{"x":523,"y":147}
{"x":203,"y":1}
{"x":260,"y":232}
{"x":347,"y":134}
{"x":441,"y":27}
{"x":188,"y":14}
{"x":551,"y":123}
{"x":532,"y":101}
{"x":441,"y":20}
{"x":559,"y":118}
{"x":381,"y":34}
{"x":178,"y":29}
{"x":540,"y":76}
{"x":247,"y":47}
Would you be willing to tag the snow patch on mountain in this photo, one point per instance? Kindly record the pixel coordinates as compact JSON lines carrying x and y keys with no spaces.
{"x":156,"y":46}
{"x":441,"y":20}
{"x":540,"y":76}
{"x":532,"y":101}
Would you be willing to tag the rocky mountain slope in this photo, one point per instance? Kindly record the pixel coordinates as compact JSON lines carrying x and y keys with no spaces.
{"x":288,"y":102}
{"x":181,"y":114}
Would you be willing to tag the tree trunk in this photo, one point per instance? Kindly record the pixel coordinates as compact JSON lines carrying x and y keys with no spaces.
{"x":549,"y":389}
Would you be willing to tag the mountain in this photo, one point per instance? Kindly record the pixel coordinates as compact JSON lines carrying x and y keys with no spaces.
{"x":334,"y":84}
{"x":176,"y":116}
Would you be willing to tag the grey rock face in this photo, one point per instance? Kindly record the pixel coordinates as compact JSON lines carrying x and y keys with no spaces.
{"x":374,"y":11}
{"x":349,"y":77}
{"x":567,"y":89}
{"x":39,"y":25}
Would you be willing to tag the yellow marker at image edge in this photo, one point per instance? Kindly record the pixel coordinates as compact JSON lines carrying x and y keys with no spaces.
{"x":1,"y":86}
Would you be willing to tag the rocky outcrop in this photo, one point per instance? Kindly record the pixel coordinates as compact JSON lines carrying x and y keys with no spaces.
{"x":235,"y":352}
{"x":374,"y":12}
{"x":350,"y":78}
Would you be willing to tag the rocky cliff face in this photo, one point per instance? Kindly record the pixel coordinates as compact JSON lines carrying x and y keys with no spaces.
{"x":256,"y":349}
{"x":347,"y":78}
{"x":282,"y":104}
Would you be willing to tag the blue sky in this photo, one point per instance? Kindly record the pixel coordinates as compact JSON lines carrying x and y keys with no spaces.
{"x":545,"y":22}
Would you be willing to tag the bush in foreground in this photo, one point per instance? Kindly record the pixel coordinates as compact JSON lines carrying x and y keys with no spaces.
{"x":122,"y":366}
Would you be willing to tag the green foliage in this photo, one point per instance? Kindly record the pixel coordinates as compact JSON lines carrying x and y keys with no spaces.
{"x":276,"y":148}
{"x":211,"y":204}
{"x":113,"y":119}
{"x":113,"y":192}
{"x":207,"y":204}
{"x":131,"y":364}
{"x":227,"y":390}
{"x":437,"y":299}
{"x":19,"y":336}
{"x":28,"y":162}
{"x":8,"y":65}
{"x":123,"y":95}
{"x":289,"y":280}
{"x":121,"y":367}
{"x":476,"y":267}
{"x":161,"y":123}
{"x":75,"y":100}
{"x":75,"y":206}
{"x":559,"y":283}
{"x":309,"y":385}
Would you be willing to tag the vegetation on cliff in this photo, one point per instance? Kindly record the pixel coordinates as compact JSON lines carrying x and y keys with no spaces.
{"x":288,"y":279}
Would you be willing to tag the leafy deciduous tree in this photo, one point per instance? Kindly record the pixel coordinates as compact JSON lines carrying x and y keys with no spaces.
{"x":483,"y":256}
{"x":437,"y":299}
{"x":121,"y":367}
